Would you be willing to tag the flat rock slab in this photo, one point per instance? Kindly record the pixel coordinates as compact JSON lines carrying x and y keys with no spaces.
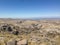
{"x":11,"y":42}
{"x":22,"y":42}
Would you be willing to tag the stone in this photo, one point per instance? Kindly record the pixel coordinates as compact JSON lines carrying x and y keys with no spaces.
{"x":16,"y":32}
{"x":22,"y":42}
{"x":11,"y":42}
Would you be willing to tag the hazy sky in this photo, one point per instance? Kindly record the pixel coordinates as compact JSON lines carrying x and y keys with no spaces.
{"x":29,"y":8}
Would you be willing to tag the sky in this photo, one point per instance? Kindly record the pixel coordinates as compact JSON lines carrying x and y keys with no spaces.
{"x":29,"y":8}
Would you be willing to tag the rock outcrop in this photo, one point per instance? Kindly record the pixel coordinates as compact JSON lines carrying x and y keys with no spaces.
{"x":30,"y":32}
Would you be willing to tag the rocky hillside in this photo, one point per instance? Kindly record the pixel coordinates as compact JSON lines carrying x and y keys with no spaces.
{"x":29,"y":32}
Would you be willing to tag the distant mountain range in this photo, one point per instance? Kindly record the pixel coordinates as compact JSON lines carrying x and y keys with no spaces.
{"x":29,"y":18}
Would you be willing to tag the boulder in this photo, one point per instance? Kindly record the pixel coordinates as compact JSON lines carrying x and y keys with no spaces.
{"x":6,"y":27}
{"x":22,"y":42}
{"x":11,"y":42}
{"x":15,"y":32}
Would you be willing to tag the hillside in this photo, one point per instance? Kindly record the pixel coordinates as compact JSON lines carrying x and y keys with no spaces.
{"x":29,"y":32}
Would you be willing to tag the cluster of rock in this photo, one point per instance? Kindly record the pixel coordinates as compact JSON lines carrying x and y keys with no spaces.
{"x":13,"y":42}
{"x":22,"y":29}
{"x":8,"y":28}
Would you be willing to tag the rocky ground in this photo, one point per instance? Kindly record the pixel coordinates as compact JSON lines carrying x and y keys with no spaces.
{"x":29,"y":32}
